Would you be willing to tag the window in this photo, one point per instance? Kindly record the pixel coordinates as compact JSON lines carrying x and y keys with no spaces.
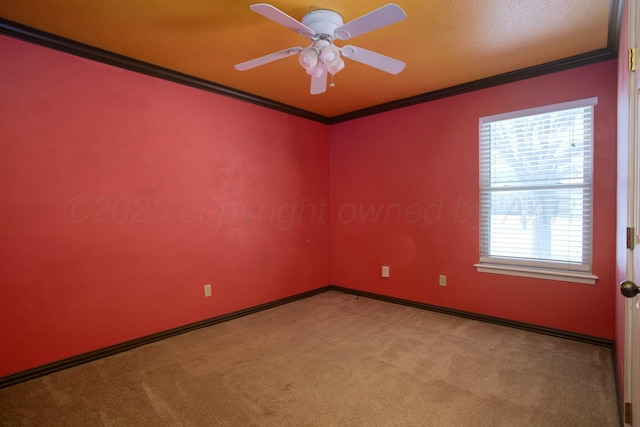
{"x":536,"y":169}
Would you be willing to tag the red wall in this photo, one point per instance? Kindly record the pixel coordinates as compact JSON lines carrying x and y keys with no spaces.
{"x":420,"y":164}
{"x":122,"y":195}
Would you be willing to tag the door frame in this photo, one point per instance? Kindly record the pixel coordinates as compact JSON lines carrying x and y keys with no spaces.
{"x":631,"y":368}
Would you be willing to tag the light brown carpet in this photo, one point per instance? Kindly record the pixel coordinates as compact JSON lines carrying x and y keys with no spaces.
{"x":332,"y":360}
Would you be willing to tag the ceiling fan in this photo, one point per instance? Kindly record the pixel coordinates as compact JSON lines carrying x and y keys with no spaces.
{"x":322,"y":27}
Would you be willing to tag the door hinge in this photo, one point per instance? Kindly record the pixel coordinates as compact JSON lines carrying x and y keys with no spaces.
{"x":631,"y":238}
{"x":633,"y":56}
{"x":627,"y":413}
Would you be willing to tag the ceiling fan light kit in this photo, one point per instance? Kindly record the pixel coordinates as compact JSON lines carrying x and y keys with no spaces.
{"x":322,"y":56}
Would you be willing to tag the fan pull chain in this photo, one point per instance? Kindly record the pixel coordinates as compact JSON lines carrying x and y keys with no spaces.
{"x":332,"y":84}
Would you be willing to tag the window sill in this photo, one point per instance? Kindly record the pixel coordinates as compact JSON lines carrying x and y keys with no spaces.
{"x":538,"y":273}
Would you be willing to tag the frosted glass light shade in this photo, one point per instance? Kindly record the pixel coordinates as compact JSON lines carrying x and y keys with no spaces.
{"x":330,"y":55}
{"x":308,"y":58}
{"x":333,"y":69}
{"x":317,"y":70}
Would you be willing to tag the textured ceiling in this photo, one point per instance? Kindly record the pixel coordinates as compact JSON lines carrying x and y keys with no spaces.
{"x":444,"y":43}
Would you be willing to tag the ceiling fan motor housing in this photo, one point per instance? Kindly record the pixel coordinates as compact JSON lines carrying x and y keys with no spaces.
{"x":323,"y":22}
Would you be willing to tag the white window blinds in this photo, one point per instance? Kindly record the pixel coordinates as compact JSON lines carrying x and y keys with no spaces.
{"x":536,"y":169}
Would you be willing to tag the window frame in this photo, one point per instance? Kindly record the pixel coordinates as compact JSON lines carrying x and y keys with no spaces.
{"x":530,"y":267}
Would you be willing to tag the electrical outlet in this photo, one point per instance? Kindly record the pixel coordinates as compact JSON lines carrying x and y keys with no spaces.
{"x":443,"y":280}
{"x":207,"y":290}
{"x":385,"y":271}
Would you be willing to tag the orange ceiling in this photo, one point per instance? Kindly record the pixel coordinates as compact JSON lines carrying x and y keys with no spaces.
{"x":443,"y":42}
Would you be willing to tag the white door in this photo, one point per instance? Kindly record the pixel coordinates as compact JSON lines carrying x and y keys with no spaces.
{"x":632,"y":303}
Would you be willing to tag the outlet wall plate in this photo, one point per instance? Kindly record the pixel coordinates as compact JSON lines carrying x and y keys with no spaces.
{"x":385,"y":271}
{"x":207,"y":290}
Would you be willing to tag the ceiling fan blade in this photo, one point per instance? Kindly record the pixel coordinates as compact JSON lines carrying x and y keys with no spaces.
{"x":386,"y":15}
{"x":319,"y":83}
{"x":252,"y":63}
{"x":373,"y":59}
{"x":279,"y":17}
